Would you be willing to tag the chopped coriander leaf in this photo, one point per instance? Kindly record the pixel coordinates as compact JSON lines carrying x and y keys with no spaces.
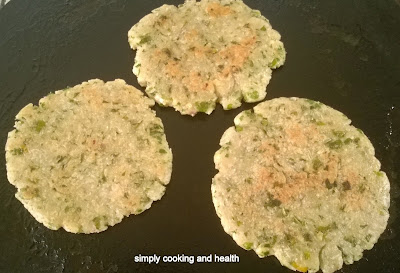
{"x":263,"y":28}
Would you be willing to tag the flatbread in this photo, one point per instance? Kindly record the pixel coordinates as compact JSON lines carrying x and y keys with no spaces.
{"x":87,"y":156}
{"x":198,"y":54}
{"x":297,"y":181}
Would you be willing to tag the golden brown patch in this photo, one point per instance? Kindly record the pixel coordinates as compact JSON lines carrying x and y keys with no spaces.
{"x":196,"y":82}
{"x":190,"y":34}
{"x":92,"y":96}
{"x":236,"y":55}
{"x":289,"y":184}
{"x":173,"y":68}
{"x":217,"y":10}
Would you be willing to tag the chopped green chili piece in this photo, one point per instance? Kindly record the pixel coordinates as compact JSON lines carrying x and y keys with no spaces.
{"x":263,"y":28}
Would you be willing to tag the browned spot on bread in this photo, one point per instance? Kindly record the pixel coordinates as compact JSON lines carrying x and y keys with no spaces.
{"x":173,"y":68}
{"x":217,"y":10}
{"x":190,"y":35}
{"x":195,"y":82}
{"x":236,"y":55}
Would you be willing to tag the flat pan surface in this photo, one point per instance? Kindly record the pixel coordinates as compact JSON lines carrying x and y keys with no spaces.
{"x":345,"y":54}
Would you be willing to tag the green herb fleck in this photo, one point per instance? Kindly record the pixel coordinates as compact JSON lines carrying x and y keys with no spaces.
{"x":326,"y":229}
{"x":96,"y":222}
{"x":229,"y":107}
{"x":307,"y":237}
{"x":378,"y":173}
{"x":329,"y":185}
{"x":203,"y":106}
{"x":40,"y":125}
{"x":339,"y":134}
{"x":162,"y":151}
{"x":314,"y":104}
{"x":347,"y":141}
{"x":264,"y":122}
{"x":317,"y":164}
{"x":263,"y":28}
{"x":156,"y":131}
{"x":144,"y":39}
{"x":346,"y":186}
{"x":248,"y":180}
{"x":248,"y":245}
{"x":334,"y":144}
{"x":239,"y":128}
{"x":167,"y":51}
{"x":352,"y":240}
{"x":273,"y":63}
{"x":252,"y":95}
{"x":18,"y":151}
{"x":272,"y":202}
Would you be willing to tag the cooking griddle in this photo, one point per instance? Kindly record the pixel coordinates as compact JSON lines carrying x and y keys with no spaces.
{"x":345,"y":54}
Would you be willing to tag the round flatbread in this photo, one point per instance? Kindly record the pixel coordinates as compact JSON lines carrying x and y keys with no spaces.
{"x":297,"y":181}
{"x":87,"y":156}
{"x":197,"y":54}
